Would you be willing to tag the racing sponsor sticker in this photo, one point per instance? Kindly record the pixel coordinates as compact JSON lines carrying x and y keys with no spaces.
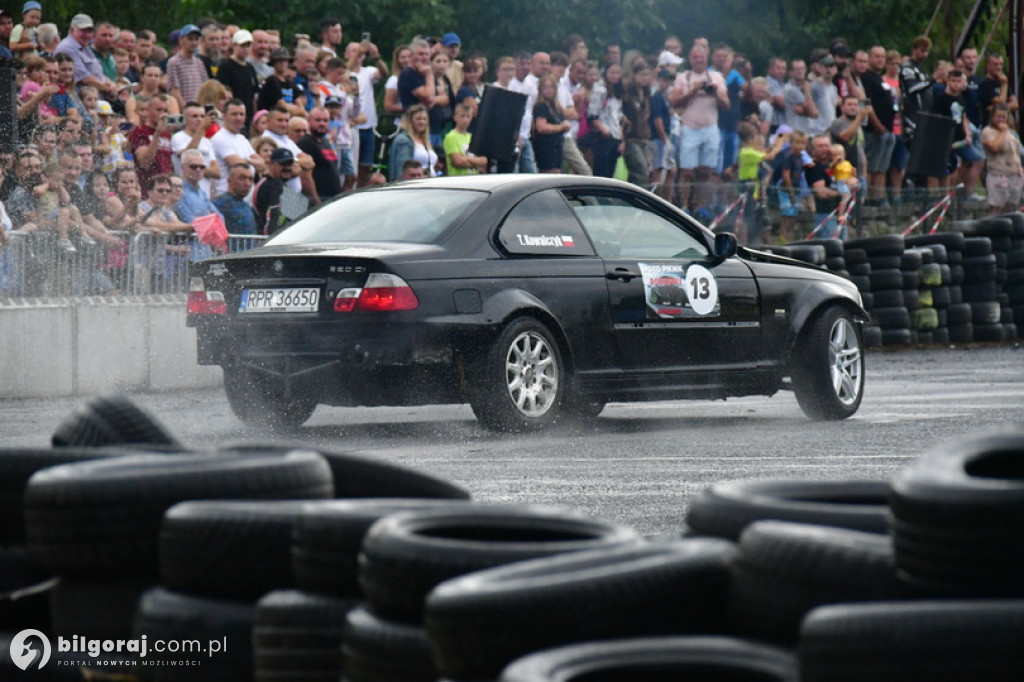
{"x":676,"y":291}
{"x":557,"y":241}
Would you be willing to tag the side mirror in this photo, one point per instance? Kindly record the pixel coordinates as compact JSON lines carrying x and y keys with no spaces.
{"x":725,"y":245}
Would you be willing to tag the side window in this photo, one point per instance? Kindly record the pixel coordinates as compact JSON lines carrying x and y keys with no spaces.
{"x":542,"y":225}
{"x":621,"y":229}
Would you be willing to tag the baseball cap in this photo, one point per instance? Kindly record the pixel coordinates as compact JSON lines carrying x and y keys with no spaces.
{"x":172,"y":38}
{"x":31,"y":5}
{"x":189,"y":29}
{"x":81,"y":21}
{"x":450,"y":39}
{"x":840,"y":48}
{"x":241,"y":37}
{"x":282,"y":155}
{"x":279,"y":54}
{"x":333,"y":99}
{"x":666,"y":58}
{"x":827,"y":61}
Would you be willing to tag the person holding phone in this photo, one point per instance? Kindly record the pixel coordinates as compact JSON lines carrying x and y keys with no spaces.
{"x":366,"y":77}
{"x":150,"y":143}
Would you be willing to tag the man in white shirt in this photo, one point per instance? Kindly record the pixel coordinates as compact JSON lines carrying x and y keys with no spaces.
{"x":193,"y":136}
{"x":367,"y":77}
{"x":571,"y":95}
{"x":525,"y":83}
{"x":231,"y":147}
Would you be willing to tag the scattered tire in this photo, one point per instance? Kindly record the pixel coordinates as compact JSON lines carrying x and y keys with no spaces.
{"x":377,"y":650}
{"x":102,"y":518}
{"x":958,"y":518}
{"x":406,"y":555}
{"x":95,"y":608}
{"x":111,"y":420}
{"x":942,"y":641}
{"x":170,"y":616}
{"x":661,"y":658}
{"x":784,"y":570}
{"x":828,"y":379}
{"x":725,"y":509}
{"x":359,"y":477}
{"x":298,"y":636}
{"x":476,"y":622}
{"x":233,"y":549}
{"x":329,"y":535}
{"x":16,"y":466}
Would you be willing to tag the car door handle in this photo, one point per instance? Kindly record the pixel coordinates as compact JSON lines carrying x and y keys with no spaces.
{"x":623,"y":274}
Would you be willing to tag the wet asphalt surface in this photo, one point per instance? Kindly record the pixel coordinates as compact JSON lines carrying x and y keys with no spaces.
{"x":638,"y":463}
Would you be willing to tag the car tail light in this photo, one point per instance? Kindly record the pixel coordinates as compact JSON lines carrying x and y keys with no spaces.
{"x":382,"y":292}
{"x":203,"y":302}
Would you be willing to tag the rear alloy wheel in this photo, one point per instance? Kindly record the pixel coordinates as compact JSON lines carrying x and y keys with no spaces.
{"x":259,"y":401}
{"x":519,"y":382}
{"x":828,"y":366}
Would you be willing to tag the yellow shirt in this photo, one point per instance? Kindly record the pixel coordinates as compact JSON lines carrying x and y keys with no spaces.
{"x":843,"y":170}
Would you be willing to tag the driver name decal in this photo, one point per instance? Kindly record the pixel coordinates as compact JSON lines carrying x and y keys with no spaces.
{"x":555,"y":241}
{"x":675,"y":291}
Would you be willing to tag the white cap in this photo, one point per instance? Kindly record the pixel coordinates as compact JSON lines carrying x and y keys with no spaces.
{"x":666,"y":58}
{"x":241,"y":36}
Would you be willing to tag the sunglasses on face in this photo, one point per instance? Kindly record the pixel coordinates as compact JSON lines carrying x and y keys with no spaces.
{"x":197,"y":166}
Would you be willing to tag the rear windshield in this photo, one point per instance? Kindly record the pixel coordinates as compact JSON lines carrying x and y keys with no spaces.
{"x":395,"y":215}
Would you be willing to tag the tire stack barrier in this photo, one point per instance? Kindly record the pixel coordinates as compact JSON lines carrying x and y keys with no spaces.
{"x":947,"y":249}
{"x":1000,"y":231}
{"x":888,"y":283}
{"x":981,"y":289}
{"x":859,"y":270}
{"x":924,"y":317}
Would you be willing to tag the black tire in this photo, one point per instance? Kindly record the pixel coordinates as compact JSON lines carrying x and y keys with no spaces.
{"x":835,"y":263}
{"x":95,"y":608}
{"x":855,"y":256}
{"x":784,"y":570}
{"x":940,"y":297}
{"x":980,"y":269}
{"x":377,"y":650}
{"x":232,"y":549}
{"x":956,"y":274}
{"x":259,"y":400}
{"x":17,"y":465}
{"x":939,"y":253}
{"x":725,"y":509}
{"x":833,"y":247}
{"x":959,"y":314}
{"x":538,"y":378}
{"x":985,"y":312}
{"x":975,"y":247}
{"x":897,"y":337}
{"x":111,"y":420}
{"x":475,"y":622}
{"x":990,"y":333}
{"x":911,"y":260}
{"x":1010,"y":331}
{"x":653,"y":659}
{"x":961,"y":333}
{"x":995,"y":226}
{"x":298,"y":636}
{"x":891,"y":318}
{"x":329,"y":535}
{"x":925,"y":338}
{"x":1015,"y":259}
{"x":859,"y":269}
{"x":406,"y":555}
{"x":911,"y":299}
{"x":872,"y":336}
{"x":102,"y":518}
{"x":953,"y":241}
{"x":911,"y":280}
{"x":890,"y":278}
{"x":958,"y":518}
{"x":868,"y":299}
{"x":170,"y":616}
{"x":940,"y":641}
{"x":941,"y":336}
{"x":884,"y":245}
{"x":363,"y":477}
{"x":828,"y":378}
{"x":863,"y":283}
{"x":980,"y":292}
{"x":889,"y":298}
{"x":815,"y":255}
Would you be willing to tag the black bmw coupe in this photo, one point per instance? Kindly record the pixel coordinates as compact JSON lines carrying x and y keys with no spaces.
{"x":531,"y":297}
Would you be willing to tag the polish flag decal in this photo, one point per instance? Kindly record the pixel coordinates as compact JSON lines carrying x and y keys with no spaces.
{"x":568,"y":242}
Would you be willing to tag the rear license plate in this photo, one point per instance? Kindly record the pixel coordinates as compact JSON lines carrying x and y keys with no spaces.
{"x":302,"y":300}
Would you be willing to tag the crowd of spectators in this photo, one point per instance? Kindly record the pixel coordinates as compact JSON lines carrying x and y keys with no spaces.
{"x":119,"y":132}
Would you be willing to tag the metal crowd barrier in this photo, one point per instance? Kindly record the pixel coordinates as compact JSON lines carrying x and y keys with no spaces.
{"x":33,"y":264}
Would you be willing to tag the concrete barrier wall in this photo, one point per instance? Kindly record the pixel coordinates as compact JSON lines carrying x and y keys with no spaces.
{"x":84,"y":346}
